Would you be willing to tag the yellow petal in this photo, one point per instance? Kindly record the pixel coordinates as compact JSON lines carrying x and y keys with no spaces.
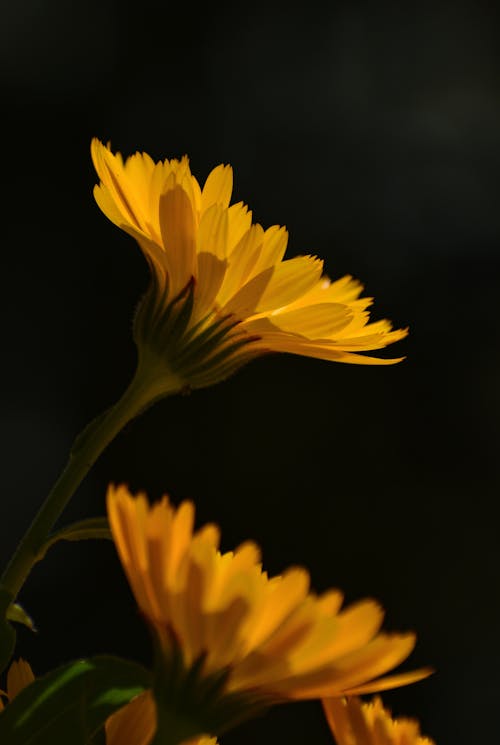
{"x":353,"y":669}
{"x":288,"y":593}
{"x":369,"y":341}
{"x":313,"y":321}
{"x":273,"y":248}
{"x":241,"y":263}
{"x":212,"y":232}
{"x":218,"y":188}
{"x":344,"y":290}
{"x":388,"y":682}
{"x":178,"y":235}
{"x":134,"y":724}
{"x":239,"y":222}
{"x":276,"y":287}
{"x":131,"y":546}
{"x":111,"y":172}
{"x":223,"y":634}
{"x":108,"y":205}
{"x":210,"y":276}
{"x":139,"y":171}
{"x":349,"y":725}
{"x":294,"y":344}
{"x":330,"y":602}
{"x":355,"y":722}
{"x":352,"y":629}
{"x":339,"y":722}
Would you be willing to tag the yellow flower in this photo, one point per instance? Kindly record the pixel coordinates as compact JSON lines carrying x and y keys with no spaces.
{"x":268,"y":637}
{"x":135,"y":724}
{"x":221,"y":293}
{"x":19,"y":676}
{"x":354,"y":722}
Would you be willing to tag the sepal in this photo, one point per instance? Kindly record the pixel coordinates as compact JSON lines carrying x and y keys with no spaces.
{"x":195,"y":353}
{"x":191,"y":703}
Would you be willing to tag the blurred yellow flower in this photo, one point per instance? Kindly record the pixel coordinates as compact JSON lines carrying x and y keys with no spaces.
{"x":221,"y":292}
{"x":19,"y":676}
{"x":135,"y":724}
{"x":354,"y":722}
{"x":271,"y":637}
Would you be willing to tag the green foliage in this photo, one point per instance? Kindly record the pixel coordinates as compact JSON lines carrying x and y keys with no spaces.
{"x":83,"y":530}
{"x":69,"y":705}
{"x":16,"y":612}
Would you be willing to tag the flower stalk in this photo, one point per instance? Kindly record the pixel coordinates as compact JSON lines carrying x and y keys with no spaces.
{"x":90,"y":443}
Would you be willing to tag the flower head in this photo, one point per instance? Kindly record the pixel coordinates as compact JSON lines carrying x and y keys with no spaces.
{"x":221,"y":291}
{"x":221,"y":613}
{"x":354,"y":722}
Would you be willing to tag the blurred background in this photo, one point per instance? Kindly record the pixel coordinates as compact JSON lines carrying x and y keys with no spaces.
{"x":372,"y":130}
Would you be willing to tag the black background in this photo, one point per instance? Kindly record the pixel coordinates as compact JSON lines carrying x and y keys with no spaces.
{"x":373,"y":132}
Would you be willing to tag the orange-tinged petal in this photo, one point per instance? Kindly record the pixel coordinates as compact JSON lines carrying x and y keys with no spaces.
{"x":19,"y":676}
{"x":355,"y":722}
{"x":286,"y":595}
{"x":388,"y":682}
{"x":355,"y":627}
{"x":134,"y":724}
{"x":381,"y":654}
{"x":330,"y":602}
{"x":348,"y":730}
{"x":179,"y":541}
{"x":268,"y":635}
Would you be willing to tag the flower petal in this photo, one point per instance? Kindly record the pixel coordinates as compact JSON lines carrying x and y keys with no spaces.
{"x":276,"y":287}
{"x":134,"y":724}
{"x":212,"y":232}
{"x":178,"y":235}
{"x":312,"y":321}
{"x":218,"y":188}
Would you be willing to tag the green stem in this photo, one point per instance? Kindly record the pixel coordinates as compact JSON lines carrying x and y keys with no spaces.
{"x":142,"y":391}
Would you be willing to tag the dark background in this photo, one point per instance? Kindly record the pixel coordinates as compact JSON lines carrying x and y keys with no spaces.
{"x":373,"y":132}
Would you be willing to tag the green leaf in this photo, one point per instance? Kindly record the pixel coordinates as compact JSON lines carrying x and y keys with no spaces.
{"x":91,"y":528}
{"x":7,"y":632}
{"x":16,"y":612}
{"x":69,"y":705}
